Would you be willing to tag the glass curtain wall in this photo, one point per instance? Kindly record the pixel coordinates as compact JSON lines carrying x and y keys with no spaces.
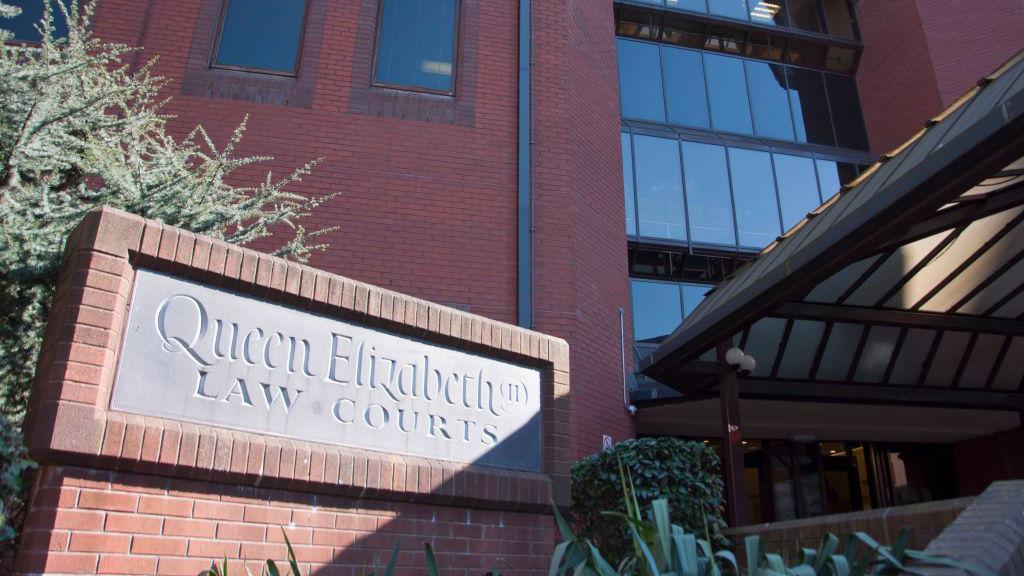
{"x":707,"y":194}
{"x":832,"y":17}
{"x":696,"y":89}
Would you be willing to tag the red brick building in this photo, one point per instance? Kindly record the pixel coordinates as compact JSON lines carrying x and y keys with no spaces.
{"x":431,"y":199}
{"x":419,"y":174}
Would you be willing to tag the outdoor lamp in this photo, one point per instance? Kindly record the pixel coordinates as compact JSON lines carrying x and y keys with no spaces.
{"x":737,"y":358}
{"x":734,"y":356}
{"x":747,"y":364}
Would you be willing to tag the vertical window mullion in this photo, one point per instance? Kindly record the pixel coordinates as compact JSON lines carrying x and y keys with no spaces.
{"x":778,"y":195}
{"x":817,"y":179}
{"x":686,"y":205}
{"x":831,"y":114}
{"x":707,"y":90}
{"x":636,"y":203}
{"x":664,"y":92}
{"x":732,"y":197}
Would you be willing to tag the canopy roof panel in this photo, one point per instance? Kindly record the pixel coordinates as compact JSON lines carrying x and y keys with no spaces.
{"x":910,"y":276}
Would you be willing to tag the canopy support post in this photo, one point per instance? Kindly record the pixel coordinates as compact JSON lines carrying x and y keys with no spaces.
{"x":732,"y":444}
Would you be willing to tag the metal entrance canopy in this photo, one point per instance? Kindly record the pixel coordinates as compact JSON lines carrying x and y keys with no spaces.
{"x":906,"y":287}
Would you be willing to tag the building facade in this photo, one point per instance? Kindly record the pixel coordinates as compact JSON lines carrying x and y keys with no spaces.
{"x":666,"y":143}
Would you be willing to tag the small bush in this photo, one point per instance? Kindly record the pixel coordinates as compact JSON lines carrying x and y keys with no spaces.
{"x":685,"y":473}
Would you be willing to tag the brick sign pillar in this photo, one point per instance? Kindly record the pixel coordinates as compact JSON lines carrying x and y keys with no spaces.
{"x":195,"y":400}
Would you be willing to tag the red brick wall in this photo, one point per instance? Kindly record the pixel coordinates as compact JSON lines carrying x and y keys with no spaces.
{"x":920,"y":56}
{"x":95,"y":522}
{"x":429,"y":209}
{"x":581,"y":271}
{"x":969,"y":40}
{"x":896,"y":78}
{"x":982,"y":461}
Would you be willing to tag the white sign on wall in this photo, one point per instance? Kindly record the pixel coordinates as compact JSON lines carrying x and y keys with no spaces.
{"x":205,"y":355}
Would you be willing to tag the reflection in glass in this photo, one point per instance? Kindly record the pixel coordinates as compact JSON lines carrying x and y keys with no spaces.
{"x":727,"y":88}
{"x":684,"y":87}
{"x":640,"y":81}
{"x":692,"y":5}
{"x":261,"y":34}
{"x":627,"y":184}
{"x":846,"y":112}
{"x":693,"y":294}
{"x":769,"y":103}
{"x":805,"y":53}
{"x":780,"y":466}
{"x":729,"y":8}
{"x":811,"y":483}
{"x":810,"y":107}
{"x":659,"y":188}
{"x":838,"y":18}
{"x":657,"y":310}
{"x":805,"y":15}
{"x":828,"y":178}
{"x":798,"y":187}
{"x":707,"y":193}
{"x":768,"y":12}
{"x":417,"y":44}
{"x":24,"y":25}
{"x":757,"y":213}
{"x":841,"y":59}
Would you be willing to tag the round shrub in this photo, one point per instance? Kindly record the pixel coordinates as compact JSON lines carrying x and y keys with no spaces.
{"x":686,"y":473}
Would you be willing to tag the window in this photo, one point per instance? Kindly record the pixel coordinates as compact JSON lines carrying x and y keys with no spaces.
{"x":640,"y":81}
{"x":692,"y":5}
{"x":838,"y":18}
{"x":261,"y":35}
{"x":727,"y":88}
{"x":659,"y":307}
{"x":810,"y":107}
{"x":832,"y":175}
{"x":769,"y":12}
{"x":684,"y":87}
{"x":846,"y":112}
{"x":805,"y":15}
{"x":659,"y":189}
{"x":657,"y":310}
{"x":768,"y":100}
{"x":627,"y":184}
{"x":798,"y":187}
{"x":753,"y":188}
{"x":698,"y":89}
{"x":729,"y":8}
{"x":709,"y":206}
{"x":769,"y":193}
{"x":24,"y":25}
{"x":416,"y":45}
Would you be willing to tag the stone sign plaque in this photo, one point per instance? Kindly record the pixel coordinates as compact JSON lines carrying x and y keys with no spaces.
{"x":200,"y":354}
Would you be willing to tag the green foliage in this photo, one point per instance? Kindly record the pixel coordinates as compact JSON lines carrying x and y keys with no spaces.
{"x":685,"y":473}
{"x":79,"y":128}
{"x":14,"y":471}
{"x":661,"y":548}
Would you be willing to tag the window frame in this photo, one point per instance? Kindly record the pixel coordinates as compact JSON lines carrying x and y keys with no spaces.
{"x":721,"y":133}
{"x":634,"y":238}
{"x":678,"y":284}
{"x":456,"y":33}
{"x":256,"y":70}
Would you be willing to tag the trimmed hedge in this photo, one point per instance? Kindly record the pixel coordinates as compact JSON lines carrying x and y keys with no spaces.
{"x":686,"y":473}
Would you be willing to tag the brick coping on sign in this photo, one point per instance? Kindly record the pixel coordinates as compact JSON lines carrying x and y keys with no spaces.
{"x":69,"y":421}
